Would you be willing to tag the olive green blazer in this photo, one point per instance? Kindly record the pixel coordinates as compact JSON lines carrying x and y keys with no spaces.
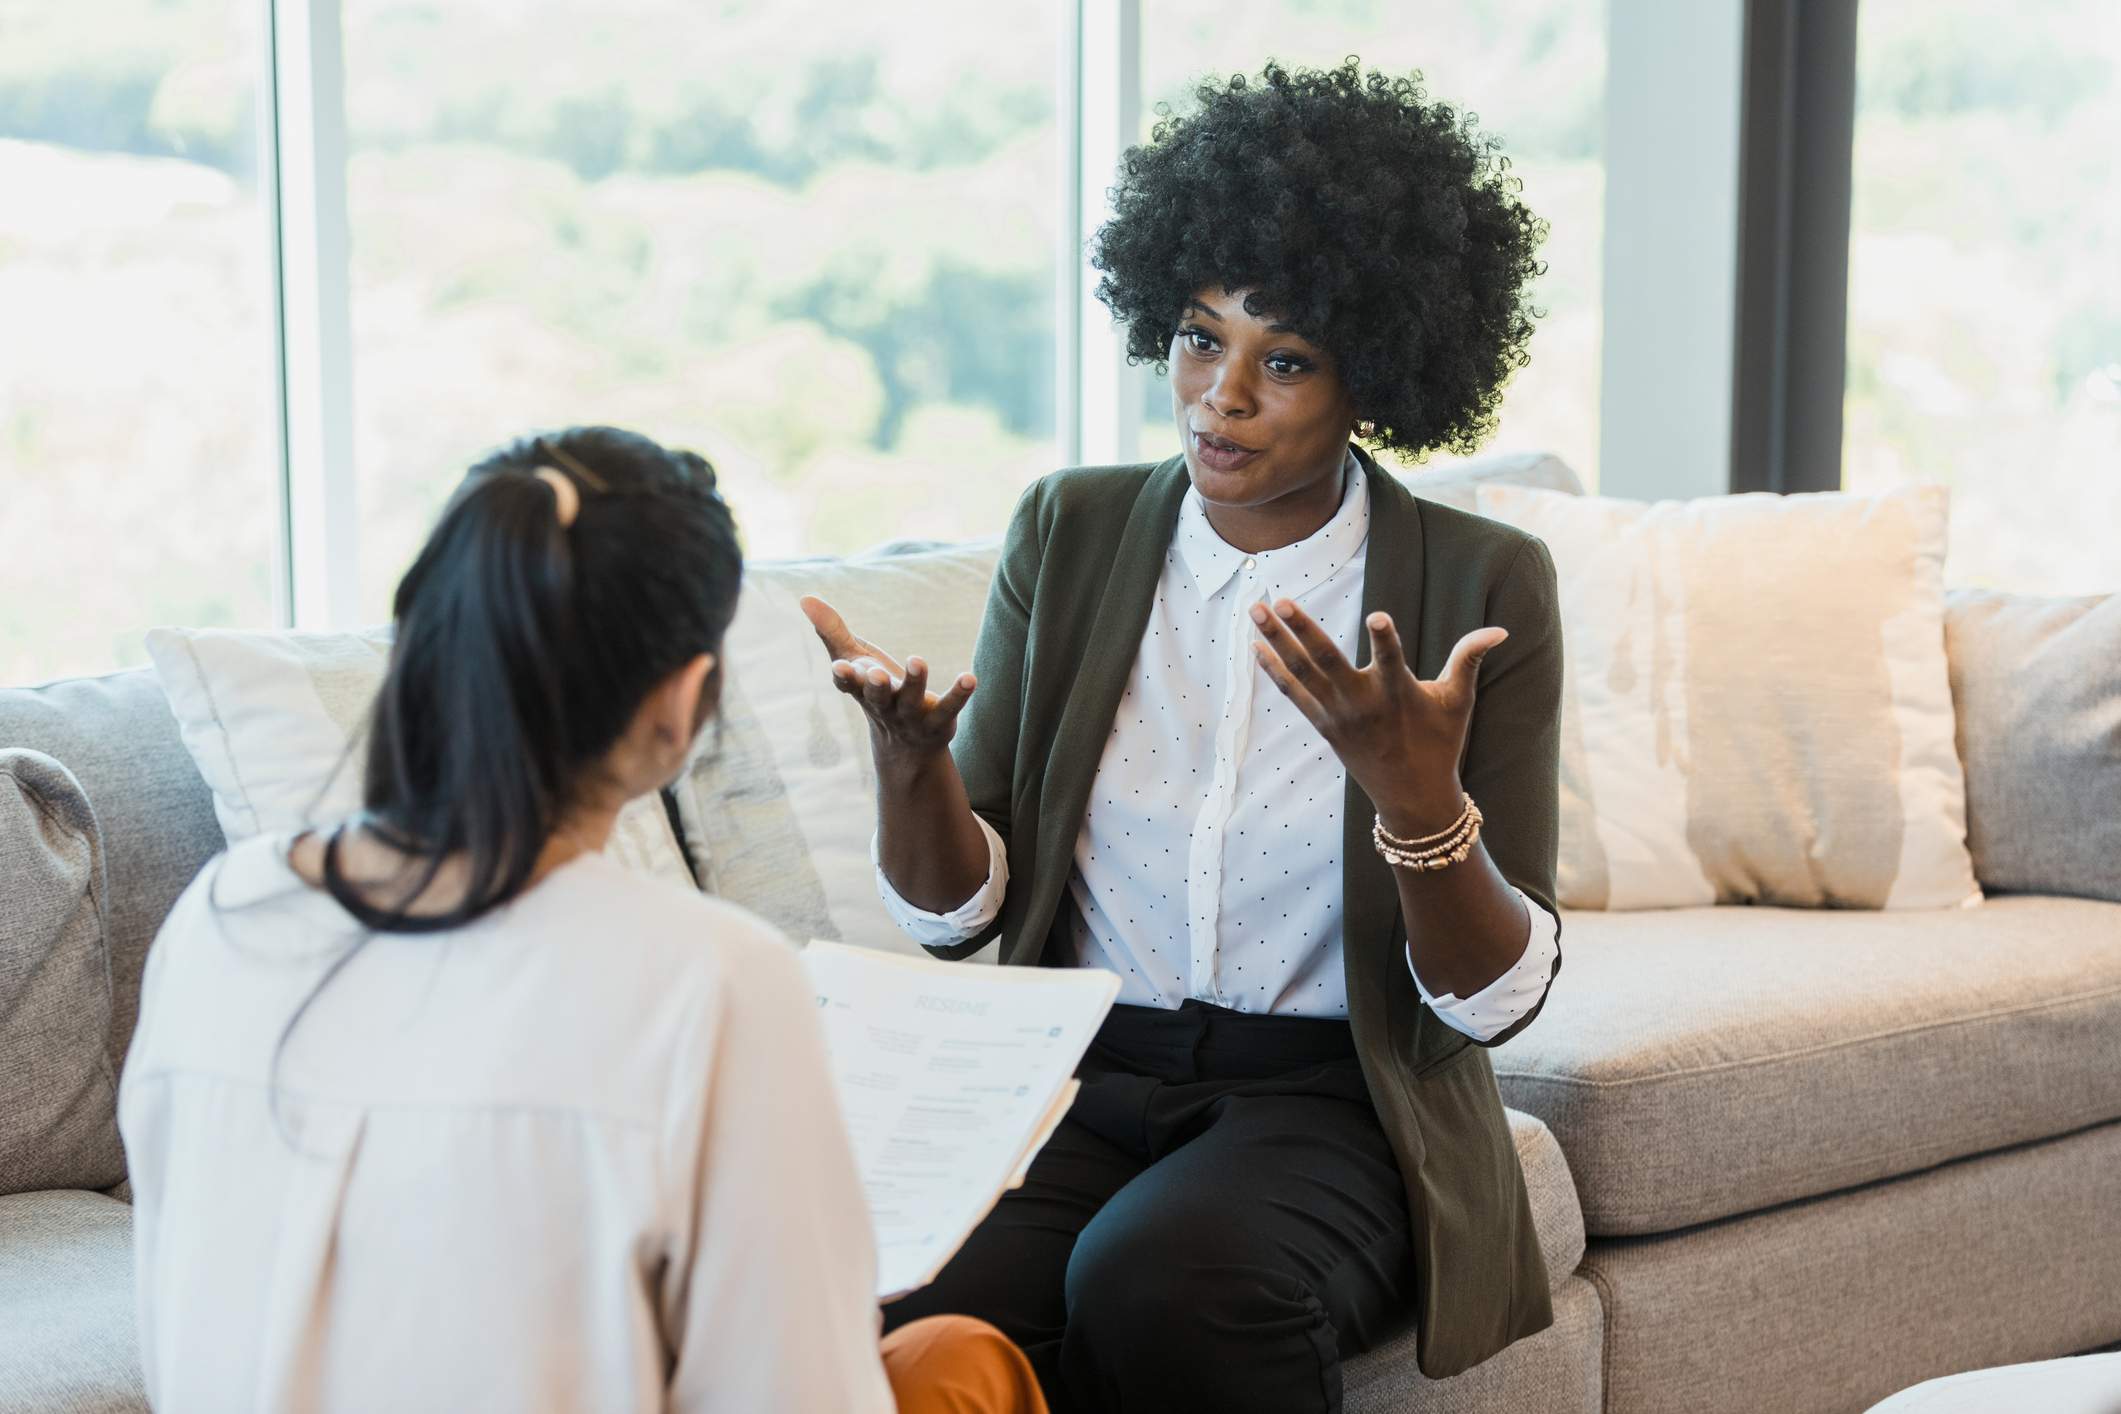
{"x":1065,"y":615}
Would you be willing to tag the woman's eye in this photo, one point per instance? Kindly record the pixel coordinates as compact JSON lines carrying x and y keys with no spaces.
{"x":1197,"y":340}
{"x":1284,"y":364}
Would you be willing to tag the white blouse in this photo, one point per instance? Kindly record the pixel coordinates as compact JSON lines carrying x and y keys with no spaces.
{"x":1209,"y":861}
{"x":583,"y":1154}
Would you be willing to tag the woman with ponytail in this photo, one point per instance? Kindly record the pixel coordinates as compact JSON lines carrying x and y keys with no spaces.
{"x":437,"y":1108}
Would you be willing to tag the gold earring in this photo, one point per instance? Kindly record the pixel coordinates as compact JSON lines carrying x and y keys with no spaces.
{"x":1366,"y":428}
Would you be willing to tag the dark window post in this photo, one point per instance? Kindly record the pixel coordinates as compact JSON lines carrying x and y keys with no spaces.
{"x":1796,"y":145}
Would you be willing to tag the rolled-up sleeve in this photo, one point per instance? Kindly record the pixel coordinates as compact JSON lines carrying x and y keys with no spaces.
{"x":969,"y":919}
{"x":1495,"y":1007}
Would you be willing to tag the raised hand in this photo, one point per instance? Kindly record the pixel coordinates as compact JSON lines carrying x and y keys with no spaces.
{"x":906,"y":720}
{"x":1399,"y":737}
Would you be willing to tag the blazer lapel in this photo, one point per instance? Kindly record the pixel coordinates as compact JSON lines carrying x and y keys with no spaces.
{"x":1392,"y":577}
{"x":1115,"y":639}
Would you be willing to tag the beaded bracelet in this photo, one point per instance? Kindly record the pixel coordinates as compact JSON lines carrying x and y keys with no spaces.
{"x":1456,"y":841}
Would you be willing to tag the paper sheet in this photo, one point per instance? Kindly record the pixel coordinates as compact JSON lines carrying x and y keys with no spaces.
{"x":950,"y":1079}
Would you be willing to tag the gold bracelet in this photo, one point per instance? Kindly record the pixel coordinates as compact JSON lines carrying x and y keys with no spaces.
{"x":1452,"y":852}
{"x":1466,"y":808}
{"x":1457,"y":842}
{"x":1456,"y":855}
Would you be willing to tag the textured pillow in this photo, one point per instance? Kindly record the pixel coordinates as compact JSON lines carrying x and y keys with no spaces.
{"x":58,"y":1100}
{"x":780,"y":804}
{"x":2036,"y":683}
{"x":267,"y":718}
{"x":1756,"y":706}
{"x":1457,"y":484}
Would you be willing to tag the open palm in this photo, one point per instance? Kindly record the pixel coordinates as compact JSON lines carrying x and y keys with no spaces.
{"x":1400,"y":737}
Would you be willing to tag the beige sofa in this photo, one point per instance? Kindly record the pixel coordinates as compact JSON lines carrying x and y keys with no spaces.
{"x":1779,"y":1160}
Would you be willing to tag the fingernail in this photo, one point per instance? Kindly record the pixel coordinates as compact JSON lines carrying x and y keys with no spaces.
{"x":1259,"y":613}
{"x":1287,"y":611}
{"x":1378,"y":621}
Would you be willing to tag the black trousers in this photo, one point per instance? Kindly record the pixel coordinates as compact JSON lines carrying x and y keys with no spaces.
{"x":1216,"y":1224}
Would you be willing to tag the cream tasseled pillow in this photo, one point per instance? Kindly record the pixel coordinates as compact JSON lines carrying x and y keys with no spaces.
{"x":267,"y":718}
{"x":1756,"y":707}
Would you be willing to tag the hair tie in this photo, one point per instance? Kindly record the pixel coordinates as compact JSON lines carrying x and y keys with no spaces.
{"x":567,"y":500}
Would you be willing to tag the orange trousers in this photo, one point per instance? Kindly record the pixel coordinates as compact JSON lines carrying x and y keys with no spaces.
{"x":957,"y":1365}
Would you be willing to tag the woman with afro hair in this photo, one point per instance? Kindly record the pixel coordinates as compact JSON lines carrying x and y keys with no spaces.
{"x":1278,"y":744}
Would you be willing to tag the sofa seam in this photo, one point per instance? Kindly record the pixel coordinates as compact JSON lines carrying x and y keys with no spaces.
{"x":1803,"y":1052}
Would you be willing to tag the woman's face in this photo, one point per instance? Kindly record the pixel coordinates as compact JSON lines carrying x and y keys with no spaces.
{"x":1262,"y":413}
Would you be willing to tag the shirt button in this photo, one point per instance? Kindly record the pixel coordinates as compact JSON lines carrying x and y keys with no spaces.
{"x":1251,"y":564}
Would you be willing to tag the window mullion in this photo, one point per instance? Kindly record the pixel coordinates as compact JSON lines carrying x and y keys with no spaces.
{"x":1672,"y":170}
{"x":1107,"y":122}
{"x":306,"y":157}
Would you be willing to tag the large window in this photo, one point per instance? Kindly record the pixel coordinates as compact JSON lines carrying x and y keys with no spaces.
{"x":1532,"y":71}
{"x":835,"y":248}
{"x":138,"y":462}
{"x":1985,"y":280}
{"x":814,"y":241}
{"x":827,"y":245}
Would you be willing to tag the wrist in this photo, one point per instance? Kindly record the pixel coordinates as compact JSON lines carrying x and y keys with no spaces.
{"x":899,"y":768}
{"x":1417,"y":813}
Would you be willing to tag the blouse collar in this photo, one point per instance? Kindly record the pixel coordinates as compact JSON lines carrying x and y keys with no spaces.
{"x":1291,"y":571}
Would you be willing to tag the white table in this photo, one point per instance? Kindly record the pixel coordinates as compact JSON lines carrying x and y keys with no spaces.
{"x":2080,"y":1384}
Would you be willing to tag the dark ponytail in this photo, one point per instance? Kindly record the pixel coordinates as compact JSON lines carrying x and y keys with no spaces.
{"x":524,"y":648}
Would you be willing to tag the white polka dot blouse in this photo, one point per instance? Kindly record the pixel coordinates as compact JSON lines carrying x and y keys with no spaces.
{"x":1209,"y":861}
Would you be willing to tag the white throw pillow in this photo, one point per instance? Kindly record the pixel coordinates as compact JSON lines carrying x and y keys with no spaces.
{"x":268,"y":718}
{"x":1756,"y":706}
{"x":780,"y":803}
{"x":1457,"y":484}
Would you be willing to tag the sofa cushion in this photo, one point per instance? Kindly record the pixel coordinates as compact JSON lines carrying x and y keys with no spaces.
{"x":1547,"y":1181}
{"x":153,"y":811}
{"x":1825,"y":1306}
{"x":58,"y":1094}
{"x":1756,"y":707}
{"x":1555,"y":1370}
{"x":67,"y":1340}
{"x":1559,"y":1370}
{"x":1698,"y":1063}
{"x":2036,"y":685}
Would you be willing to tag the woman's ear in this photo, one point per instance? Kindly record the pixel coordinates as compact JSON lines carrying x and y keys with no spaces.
{"x":654,"y":749}
{"x":690,"y":701}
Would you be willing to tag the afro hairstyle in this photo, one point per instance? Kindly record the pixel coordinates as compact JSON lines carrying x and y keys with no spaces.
{"x":1372,"y":221}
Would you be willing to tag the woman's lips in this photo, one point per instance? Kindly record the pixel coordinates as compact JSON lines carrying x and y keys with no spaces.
{"x":1219,"y":453}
